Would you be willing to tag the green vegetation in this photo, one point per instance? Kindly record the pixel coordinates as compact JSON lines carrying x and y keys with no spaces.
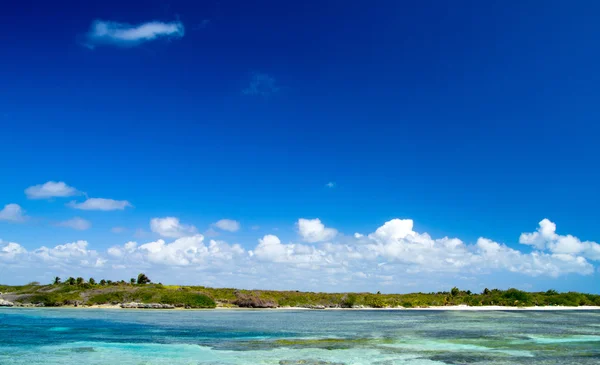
{"x":78,"y":292}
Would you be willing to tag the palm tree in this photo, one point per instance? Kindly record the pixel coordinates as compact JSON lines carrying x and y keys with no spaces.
{"x":71,"y":281}
{"x":80,"y":281}
{"x":102,"y":282}
{"x":132,"y":281}
{"x":92,"y":281}
{"x":56,"y":280}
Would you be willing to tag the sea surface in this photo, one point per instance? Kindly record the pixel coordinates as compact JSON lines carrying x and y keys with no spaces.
{"x":104,"y":336}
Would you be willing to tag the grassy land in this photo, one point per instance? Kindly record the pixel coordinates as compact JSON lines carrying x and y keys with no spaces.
{"x":86,"y":294}
{"x":203,"y":297}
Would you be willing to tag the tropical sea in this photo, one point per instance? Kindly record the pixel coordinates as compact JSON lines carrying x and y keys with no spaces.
{"x":288,"y":337}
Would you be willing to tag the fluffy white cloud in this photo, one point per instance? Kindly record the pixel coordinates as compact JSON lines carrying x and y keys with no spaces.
{"x":228,"y":225}
{"x":69,"y":256}
{"x":100,"y":204}
{"x":12,"y":213}
{"x":183,"y":251}
{"x":397,"y":243}
{"x":545,"y":238}
{"x":51,"y":189}
{"x":127,"y":35}
{"x":118,"y":251}
{"x":76,"y":223}
{"x":171,"y":227}
{"x":10,"y":250}
{"x":394,"y":229}
{"x":312,"y":230}
{"x":271,"y":249}
{"x":394,"y":256}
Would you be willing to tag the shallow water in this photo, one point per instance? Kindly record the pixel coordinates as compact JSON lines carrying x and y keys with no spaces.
{"x":101,"y":336}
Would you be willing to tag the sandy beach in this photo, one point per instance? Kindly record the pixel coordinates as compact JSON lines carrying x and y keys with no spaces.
{"x":440,"y":308}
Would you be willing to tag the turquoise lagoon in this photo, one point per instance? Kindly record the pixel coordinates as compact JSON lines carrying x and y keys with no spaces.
{"x":212,"y":337}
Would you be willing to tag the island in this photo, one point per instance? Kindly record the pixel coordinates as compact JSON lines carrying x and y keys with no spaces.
{"x":141,"y":293}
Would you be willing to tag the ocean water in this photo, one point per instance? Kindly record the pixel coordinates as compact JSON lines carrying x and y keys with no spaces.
{"x":102,"y":336}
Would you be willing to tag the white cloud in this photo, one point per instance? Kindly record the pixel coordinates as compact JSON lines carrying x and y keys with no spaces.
{"x":100,"y":204}
{"x":330,"y":184}
{"x":394,"y":229}
{"x":312,"y":230}
{"x":51,"y":189}
{"x":396,"y":242}
{"x":171,"y":227}
{"x":127,"y":248}
{"x":271,"y":249}
{"x":183,"y":251}
{"x":76,"y":223}
{"x":12,"y":213}
{"x":228,"y":225}
{"x":69,"y":256}
{"x":10,"y":250}
{"x":545,"y":238}
{"x":127,"y":35}
{"x":394,"y":255}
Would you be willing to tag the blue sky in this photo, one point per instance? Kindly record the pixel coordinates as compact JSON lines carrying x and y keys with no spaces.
{"x":474,"y":120}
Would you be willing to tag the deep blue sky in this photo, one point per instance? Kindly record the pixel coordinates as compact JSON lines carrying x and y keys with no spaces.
{"x":472,"y":118}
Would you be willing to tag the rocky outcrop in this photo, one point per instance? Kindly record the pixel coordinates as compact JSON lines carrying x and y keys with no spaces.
{"x":134,"y":305}
{"x":29,"y":305}
{"x":6,"y":303}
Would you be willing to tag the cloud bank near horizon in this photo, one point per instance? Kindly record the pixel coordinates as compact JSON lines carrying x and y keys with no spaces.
{"x":322,"y":259}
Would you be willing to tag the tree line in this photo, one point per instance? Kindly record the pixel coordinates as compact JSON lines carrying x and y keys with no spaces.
{"x":142,"y":279}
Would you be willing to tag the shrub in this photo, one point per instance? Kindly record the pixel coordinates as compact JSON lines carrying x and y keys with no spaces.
{"x":349,"y":300}
{"x":186,"y":299}
{"x":143,"y":279}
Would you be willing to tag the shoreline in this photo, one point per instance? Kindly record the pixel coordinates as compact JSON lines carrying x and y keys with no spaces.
{"x":437,"y":308}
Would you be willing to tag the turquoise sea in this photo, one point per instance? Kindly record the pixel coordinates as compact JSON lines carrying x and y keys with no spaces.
{"x":105,"y":336}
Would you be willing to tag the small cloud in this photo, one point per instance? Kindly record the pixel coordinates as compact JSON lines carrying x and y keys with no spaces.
{"x":255,"y":228}
{"x":100,"y":204}
{"x":261,"y":84}
{"x":171,"y":227}
{"x":330,"y":185}
{"x":12,"y":213}
{"x":51,"y":189}
{"x":312,"y":230}
{"x":126,"y":35}
{"x":228,"y":225}
{"x":76,"y":223}
{"x":118,"y":230}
